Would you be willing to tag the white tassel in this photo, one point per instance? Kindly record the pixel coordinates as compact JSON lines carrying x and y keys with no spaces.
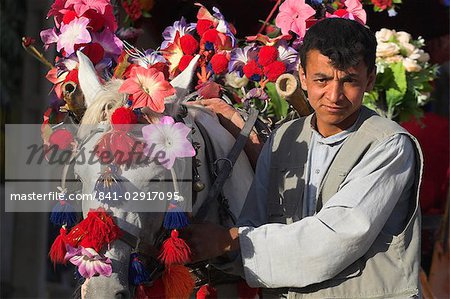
{"x":87,"y":76}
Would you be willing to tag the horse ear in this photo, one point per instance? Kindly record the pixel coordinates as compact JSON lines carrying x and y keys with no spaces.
{"x":181,"y":84}
{"x":87,"y":76}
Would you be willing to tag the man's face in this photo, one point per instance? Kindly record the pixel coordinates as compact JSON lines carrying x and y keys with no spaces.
{"x":335,"y":95}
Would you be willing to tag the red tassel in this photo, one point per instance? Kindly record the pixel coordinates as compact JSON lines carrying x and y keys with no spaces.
{"x":96,"y":230}
{"x":174,"y":250}
{"x":246,"y":292}
{"x":178,"y":282}
{"x":207,"y":292}
{"x":58,"y":249}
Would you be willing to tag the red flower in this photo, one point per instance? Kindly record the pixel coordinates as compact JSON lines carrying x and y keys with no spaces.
{"x":69,"y":17}
{"x":189,"y":44}
{"x":133,"y":9}
{"x":267,"y":54}
{"x":274,"y":70}
{"x":184,"y":62}
{"x":72,"y":76}
{"x":203,"y":25}
{"x":96,"y":20}
{"x":94,"y":51}
{"x":123,"y":119}
{"x":252,"y":70}
{"x":62,"y":138}
{"x":383,"y":4}
{"x":219,"y":63}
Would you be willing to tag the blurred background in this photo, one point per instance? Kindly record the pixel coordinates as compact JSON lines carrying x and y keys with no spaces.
{"x":26,"y":271}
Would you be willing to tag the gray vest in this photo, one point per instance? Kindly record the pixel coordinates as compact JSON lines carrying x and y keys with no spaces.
{"x":390,"y":268}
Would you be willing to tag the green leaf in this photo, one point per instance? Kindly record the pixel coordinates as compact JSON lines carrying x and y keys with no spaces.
{"x":146,"y":14}
{"x":280,"y":106}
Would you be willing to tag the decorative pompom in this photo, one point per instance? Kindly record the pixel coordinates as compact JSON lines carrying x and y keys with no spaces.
{"x":219,"y":63}
{"x":123,"y":119}
{"x":95,"y":231}
{"x":184,"y":62}
{"x":175,"y":218}
{"x":274,"y":70}
{"x":58,"y":249}
{"x":94,"y":51}
{"x":178,"y":282}
{"x":62,"y":138}
{"x":210,"y":35}
{"x":189,"y":44}
{"x":267,"y":54}
{"x":252,"y":71}
{"x":246,"y":292}
{"x":206,"y":292}
{"x":137,"y":274}
{"x":174,"y":250}
{"x":203,"y":25}
{"x":63,"y":214}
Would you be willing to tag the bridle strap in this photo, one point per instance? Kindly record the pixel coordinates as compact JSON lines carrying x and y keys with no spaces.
{"x":224,"y":172}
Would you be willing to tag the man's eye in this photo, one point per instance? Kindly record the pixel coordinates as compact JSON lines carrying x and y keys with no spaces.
{"x":321,"y":80}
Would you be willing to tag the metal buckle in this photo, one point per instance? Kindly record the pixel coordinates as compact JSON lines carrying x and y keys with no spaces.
{"x":216,"y":168}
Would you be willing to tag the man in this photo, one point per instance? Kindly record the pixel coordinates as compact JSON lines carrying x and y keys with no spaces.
{"x":333,"y":209}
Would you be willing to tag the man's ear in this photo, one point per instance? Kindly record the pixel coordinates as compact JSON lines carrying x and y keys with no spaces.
{"x":302,"y":77}
{"x":371,"y":80}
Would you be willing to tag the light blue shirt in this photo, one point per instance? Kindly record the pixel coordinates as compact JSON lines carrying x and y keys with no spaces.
{"x":321,"y":245}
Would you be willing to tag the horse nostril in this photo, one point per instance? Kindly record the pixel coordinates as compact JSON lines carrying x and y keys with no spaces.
{"x":123,"y":294}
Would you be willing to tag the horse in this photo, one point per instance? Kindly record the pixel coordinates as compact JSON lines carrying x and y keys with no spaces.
{"x":143,"y":227}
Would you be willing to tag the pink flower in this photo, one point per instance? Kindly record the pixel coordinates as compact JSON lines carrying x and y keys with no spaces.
{"x":169,"y":138}
{"x":88,"y":261}
{"x":356,"y":11}
{"x":148,"y":87}
{"x":81,"y":6}
{"x":73,"y":33}
{"x":292,"y":16}
{"x":48,"y":37}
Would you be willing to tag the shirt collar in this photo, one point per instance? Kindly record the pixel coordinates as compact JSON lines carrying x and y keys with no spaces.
{"x":336,"y":138}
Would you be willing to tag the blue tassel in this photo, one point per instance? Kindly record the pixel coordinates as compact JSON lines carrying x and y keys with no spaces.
{"x":110,"y":188}
{"x":63,"y":214}
{"x":137,"y":273}
{"x":175,"y":218}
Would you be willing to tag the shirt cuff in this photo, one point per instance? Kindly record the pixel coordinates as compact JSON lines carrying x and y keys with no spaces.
{"x":249,"y":260}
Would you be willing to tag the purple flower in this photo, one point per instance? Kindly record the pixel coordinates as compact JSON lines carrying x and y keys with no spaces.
{"x":169,"y":33}
{"x":109,"y":41}
{"x":150,"y":58}
{"x":255,"y":93}
{"x":240,"y":57}
{"x":288,"y":55}
{"x":73,"y":33}
{"x":169,"y":138}
{"x":88,"y":261}
{"x":223,"y":26}
{"x":48,"y":37}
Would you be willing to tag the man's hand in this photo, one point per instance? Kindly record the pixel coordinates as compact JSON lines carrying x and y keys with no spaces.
{"x":208,"y":240}
{"x":219,"y":107}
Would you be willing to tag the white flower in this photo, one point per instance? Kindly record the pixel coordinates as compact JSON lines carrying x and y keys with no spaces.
{"x":424,"y":56}
{"x":387,"y":49}
{"x":411,"y":65}
{"x":393,"y":59}
{"x":403,"y":37}
{"x":234,"y":80}
{"x":422,"y":98}
{"x":409,"y":48}
{"x":392,"y":12}
{"x":384,"y":35}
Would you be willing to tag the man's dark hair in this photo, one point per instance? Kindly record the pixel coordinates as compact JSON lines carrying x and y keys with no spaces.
{"x":344,"y":41}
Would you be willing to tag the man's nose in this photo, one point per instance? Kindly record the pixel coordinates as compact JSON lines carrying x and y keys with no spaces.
{"x":335,"y":91}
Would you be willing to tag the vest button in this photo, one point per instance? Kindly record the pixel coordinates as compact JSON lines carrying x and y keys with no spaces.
{"x":317,"y":171}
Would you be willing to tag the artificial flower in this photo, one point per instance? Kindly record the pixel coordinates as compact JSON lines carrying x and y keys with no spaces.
{"x":184,"y":62}
{"x":169,"y":138}
{"x":382,"y":4}
{"x":173,"y":54}
{"x":256,"y":93}
{"x":403,"y":37}
{"x":384,"y":35}
{"x":48,"y":37}
{"x":219,"y":63}
{"x":288,"y":56}
{"x":73,"y":33}
{"x":253,"y":71}
{"x":148,"y":87}
{"x":387,"y":49}
{"x":234,"y":80}
{"x":180,"y":27}
{"x":355,"y":11}
{"x":81,"y":6}
{"x":267,"y":54}
{"x":57,"y":78}
{"x":109,"y":41}
{"x":292,"y":16}
{"x":150,"y":58}
{"x":88,"y":261}
{"x":411,"y":65}
{"x":189,"y":44}
{"x":240,"y":56}
{"x":274,"y":70}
